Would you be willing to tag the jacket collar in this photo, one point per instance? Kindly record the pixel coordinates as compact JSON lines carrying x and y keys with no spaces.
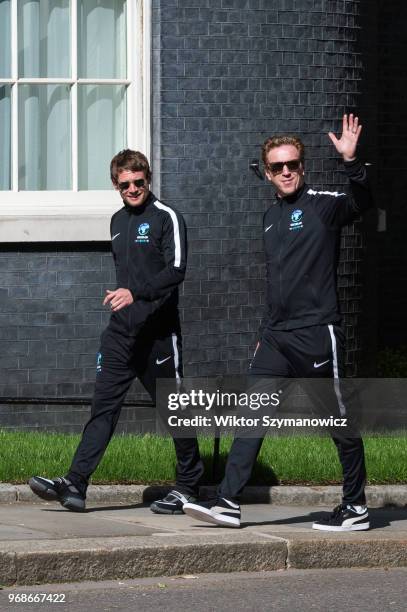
{"x":291,"y":199}
{"x":138,"y":210}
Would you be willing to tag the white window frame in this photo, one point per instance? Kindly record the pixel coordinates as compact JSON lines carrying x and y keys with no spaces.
{"x":76,"y":215}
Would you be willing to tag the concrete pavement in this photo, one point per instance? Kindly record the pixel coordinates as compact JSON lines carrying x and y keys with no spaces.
{"x":42,"y":542}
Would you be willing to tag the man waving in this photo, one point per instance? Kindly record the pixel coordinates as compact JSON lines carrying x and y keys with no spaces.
{"x":301,"y":335}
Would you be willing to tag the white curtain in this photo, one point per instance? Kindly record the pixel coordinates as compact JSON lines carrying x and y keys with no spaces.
{"x":5,"y":108}
{"x":101,"y":39}
{"x":5,"y":44}
{"x":102,"y":132}
{"x":44,"y":137}
{"x":44,"y":110}
{"x":5,"y":138}
{"x":101,"y":108}
{"x":44,"y":34}
{"x":44,"y":38}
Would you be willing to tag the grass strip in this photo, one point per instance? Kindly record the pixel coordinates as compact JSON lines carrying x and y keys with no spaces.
{"x":150,"y":459}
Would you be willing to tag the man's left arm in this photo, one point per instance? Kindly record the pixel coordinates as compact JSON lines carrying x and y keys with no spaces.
{"x":174,"y":247}
{"x":360,"y":192}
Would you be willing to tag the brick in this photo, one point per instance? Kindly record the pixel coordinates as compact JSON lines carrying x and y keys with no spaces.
{"x":8,"y":361}
{"x":9,"y":333}
{"x":18,"y":292}
{"x":38,"y":390}
{"x":14,"y":347}
{"x":37,"y":376}
{"x":37,"y":332}
{"x":16,"y":376}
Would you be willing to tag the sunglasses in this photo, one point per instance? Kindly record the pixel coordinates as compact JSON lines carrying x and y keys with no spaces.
{"x":277,"y":167}
{"x":126,"y":184}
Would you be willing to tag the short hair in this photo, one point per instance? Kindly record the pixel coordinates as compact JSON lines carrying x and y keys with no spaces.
{"x":277,"y":141}
{"x":134,"y":161}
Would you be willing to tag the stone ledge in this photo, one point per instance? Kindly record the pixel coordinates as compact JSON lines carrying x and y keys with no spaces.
{"x":378,"y":496}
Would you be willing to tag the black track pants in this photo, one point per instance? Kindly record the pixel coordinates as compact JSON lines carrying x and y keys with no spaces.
{"x":121,"y":359}
{"x":310,"y":352}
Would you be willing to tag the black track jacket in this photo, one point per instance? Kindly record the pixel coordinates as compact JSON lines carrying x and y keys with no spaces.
{"x":301,"y":239}
{"x":150,"y":252}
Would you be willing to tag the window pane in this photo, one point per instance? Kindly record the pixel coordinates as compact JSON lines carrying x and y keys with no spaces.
{"x":44,"y":38}
{"x":102,"y":39}
{"x":5,"y":45}
{"x":44,"y":137}
{"x":102,"y":132}
{"x":5,"y":140}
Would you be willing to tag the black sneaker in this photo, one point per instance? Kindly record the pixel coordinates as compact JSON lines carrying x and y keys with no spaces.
{"x":218,"y":511}
{"x":172,"y":503}
{"x":60,"y":489}
{"x":345,"y":517}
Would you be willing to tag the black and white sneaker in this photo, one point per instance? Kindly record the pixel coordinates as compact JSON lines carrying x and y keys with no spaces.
{"x":218,"y":511}
{"x":172,"y":503}
{"x":345,"y":517}
{"x":60,"y":489}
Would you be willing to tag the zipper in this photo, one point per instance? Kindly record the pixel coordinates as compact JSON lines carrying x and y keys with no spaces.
{"x":279,"y":255}
{"x":127,"y":262}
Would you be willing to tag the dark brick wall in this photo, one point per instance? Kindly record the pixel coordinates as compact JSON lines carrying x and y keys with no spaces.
{"x":50,"y":318}
{"x":226,"y":74}
{"x":70,"y":418}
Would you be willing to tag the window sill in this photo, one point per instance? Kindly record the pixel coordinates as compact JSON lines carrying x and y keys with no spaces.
{"x":57,"y":216}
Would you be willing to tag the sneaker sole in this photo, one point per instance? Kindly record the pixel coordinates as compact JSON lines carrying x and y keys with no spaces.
{"x":48,"y":494}
{"x":197,"y":512}
{"x":42,"y":490}
{"x":360,"y":527}
{"x":73,"y":505}
{"x":157,"y":510}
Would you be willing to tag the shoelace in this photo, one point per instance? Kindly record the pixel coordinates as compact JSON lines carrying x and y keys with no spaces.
{"x":175,"y":495}
{"x":337,"y":510}
{"x":60,"y":480}
{"x":64,"y":481}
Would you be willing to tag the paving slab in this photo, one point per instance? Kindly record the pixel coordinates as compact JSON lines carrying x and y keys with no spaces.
{"x":53,"y":522}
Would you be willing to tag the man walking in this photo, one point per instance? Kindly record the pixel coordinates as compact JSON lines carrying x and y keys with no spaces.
{"x":143,"y":337}
{"x":301,"y":335}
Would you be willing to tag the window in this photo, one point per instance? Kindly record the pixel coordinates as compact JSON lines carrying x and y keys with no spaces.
{"x":74,"y":90}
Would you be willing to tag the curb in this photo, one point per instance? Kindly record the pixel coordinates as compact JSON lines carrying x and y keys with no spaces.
{"x":377,"y":495}
{"x":135,"y":557}
{"x":29,"y":563}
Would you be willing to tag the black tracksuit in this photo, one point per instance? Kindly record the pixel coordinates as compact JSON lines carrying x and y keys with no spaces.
{"x":301,"y":335}
{"x":142,"y":340}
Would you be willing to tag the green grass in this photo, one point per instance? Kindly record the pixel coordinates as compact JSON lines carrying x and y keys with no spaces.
{"x":150,"y":459}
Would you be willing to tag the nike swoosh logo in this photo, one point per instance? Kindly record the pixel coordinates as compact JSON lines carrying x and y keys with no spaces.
{"x":160,"y":361}
{"x":115,"y":236}
{"x":318,"y":365}
{"x":267,"y":228}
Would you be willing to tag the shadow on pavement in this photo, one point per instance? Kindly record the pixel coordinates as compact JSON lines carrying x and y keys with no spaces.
{"x":379,"y":518}
{"x":98,"y":508}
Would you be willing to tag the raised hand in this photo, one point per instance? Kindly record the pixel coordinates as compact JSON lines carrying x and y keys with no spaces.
{"x":347,"y":143}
